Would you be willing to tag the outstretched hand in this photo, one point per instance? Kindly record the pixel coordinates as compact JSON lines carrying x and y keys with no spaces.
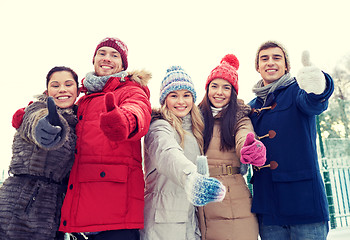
{"x":202,"y":190}
{"x":305,"y":59}
{"x":48,"y":129}
{"x":52,"y":116}
{"x":113,"y":122}
{"x":310,"y":78}
{"x":253,"y":151}
{"x":202,"y":165}
{"x":109,"y":101}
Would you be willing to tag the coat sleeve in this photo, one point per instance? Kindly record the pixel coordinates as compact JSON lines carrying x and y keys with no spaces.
{"x":165,"y":154}
{"x":312,"y":104}
{"x":135,"y":102}
{"x":243,"y":127}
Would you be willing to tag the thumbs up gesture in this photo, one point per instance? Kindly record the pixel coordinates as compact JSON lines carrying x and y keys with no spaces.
{"x":253,"y":151}
{"x":310,"y":78}
{"x":48,"y":130}
{"x":115,"y":122}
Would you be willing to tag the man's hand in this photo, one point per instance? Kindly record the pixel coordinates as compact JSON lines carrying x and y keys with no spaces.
{"x":310,"y":78}
{"x":113,"y":122}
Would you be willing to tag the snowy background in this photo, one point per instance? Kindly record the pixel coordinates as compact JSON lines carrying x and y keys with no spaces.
{"x":37,"y":35}
{"x":40,"y":34}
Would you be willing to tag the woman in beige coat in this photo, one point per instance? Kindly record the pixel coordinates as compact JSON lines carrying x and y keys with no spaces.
{"x":226,"y":128}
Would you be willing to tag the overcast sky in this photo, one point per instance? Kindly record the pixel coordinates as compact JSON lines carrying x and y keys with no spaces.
{"x":37,"y":35}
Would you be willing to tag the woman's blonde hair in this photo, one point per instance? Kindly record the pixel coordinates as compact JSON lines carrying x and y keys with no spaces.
{"x":176,"y":122}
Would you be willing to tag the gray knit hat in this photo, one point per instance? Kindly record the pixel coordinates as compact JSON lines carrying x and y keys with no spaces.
{"x":176,"y":79}
{"x":272,"y":44}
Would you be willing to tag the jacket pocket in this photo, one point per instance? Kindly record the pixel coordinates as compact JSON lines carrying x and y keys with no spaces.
{"x":102,"y":194}
{"x":32,"y":200}
{"x":103,"y":173}
{"x":294,"y":193}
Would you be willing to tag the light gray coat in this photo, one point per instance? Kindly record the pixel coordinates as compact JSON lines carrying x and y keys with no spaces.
{"x":168,"y":213}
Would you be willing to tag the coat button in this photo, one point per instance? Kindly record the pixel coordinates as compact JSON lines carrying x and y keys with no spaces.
{"x":76,"y":151}
{"x":64,"y":223}
{"x":102,"y":174}
{"x":80,"y":117}
{"x":71,"y":186}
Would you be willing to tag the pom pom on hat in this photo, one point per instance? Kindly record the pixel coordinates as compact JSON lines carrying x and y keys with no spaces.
{"x":118,"y":45}
{"x":227,"y":70}
{"x":176,"y":79}
{"x":232,"y":60}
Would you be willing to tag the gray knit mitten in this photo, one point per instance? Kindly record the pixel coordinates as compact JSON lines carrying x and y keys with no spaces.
{"x":48,"y":130}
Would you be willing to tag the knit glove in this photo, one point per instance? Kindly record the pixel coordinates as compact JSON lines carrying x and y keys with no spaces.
{"x":116,"y":123}
{"x":48,"y":130}
{"x":202,"y":166}
{"x":253,"y":151}
{"x":310,"y":78}
{"x":201,"y":190}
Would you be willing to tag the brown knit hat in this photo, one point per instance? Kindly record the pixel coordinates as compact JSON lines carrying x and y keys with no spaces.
{"x":227,"y":70}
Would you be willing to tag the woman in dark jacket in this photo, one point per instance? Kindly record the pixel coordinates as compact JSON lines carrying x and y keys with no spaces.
{"x":43,"y":154}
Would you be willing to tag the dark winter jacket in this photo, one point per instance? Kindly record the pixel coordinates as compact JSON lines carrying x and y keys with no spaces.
{"x":106,"y":186}
{"x":291,"y":191}
{"x":31,"y":198}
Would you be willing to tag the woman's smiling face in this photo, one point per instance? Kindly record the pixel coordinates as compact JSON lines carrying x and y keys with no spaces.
{"x":219,"y":92}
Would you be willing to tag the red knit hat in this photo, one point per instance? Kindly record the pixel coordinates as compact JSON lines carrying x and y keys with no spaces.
{"x":227,"y":70}
{"x":118,"y":45}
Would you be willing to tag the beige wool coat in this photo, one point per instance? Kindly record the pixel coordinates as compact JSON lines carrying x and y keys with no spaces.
{"x":231,"y":218}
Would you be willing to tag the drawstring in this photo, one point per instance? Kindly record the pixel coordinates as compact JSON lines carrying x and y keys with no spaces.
{"x":84,"y":236}
{"x":67,"y":236}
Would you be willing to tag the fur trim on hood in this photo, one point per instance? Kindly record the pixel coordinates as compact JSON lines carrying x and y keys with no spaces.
{"x":140,"y":76}
{"x":156,"y":114}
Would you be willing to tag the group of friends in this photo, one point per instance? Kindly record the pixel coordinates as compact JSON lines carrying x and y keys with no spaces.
{"x":78,"y":170}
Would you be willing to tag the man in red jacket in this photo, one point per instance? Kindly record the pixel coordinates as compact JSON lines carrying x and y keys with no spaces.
{"x":105,"y":199}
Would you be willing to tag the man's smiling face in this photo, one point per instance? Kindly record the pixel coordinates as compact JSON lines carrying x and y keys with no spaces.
{"x":107,"y":61}
{"x":272,"y":64}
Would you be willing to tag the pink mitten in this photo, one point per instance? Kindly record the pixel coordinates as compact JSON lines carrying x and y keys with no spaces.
{"x":253,"y":151}
{"x":116,"y":123}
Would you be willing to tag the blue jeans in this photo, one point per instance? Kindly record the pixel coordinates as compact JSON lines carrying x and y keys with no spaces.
{"x":313,"y":231}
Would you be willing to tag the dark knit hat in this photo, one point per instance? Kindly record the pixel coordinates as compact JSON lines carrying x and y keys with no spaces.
{"x":118,"y":45}
{"x":176,"y":79}
{"x":272,"y":44}
{"x":227,"y":70}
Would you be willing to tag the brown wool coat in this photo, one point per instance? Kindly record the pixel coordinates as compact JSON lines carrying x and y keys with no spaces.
{"x":231,"y":218}
{"x":30,"y":204}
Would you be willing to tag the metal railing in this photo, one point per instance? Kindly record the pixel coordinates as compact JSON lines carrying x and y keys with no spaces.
{"x":335,"y":167}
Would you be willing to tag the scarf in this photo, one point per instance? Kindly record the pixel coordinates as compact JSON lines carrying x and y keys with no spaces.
{"x":262,"y":91}
{"x":95,"y":83}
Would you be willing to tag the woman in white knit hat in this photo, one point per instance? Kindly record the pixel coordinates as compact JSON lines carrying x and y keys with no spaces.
{"x":172,"y":144}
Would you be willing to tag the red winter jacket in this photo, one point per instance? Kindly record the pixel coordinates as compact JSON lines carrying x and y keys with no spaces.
{"x":106,"y":186}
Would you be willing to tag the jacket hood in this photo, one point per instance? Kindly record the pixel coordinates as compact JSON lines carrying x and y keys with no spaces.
{"x":156,"y":114}
{"x":140,"y":76}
